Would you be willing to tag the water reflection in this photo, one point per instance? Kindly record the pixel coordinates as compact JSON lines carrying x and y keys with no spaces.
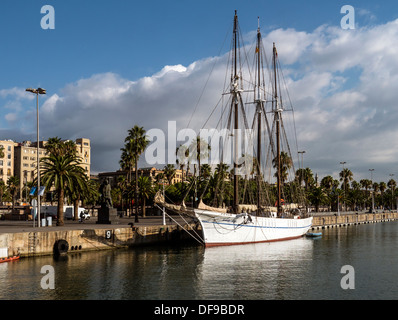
{"x":256,"y":271}
{"x":295,"y":269}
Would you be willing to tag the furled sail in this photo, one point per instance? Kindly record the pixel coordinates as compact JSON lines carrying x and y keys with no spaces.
{"x":209,"y":208}
{"x":159,"y":199}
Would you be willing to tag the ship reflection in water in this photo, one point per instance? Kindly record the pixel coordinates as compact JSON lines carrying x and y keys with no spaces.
{"x":256,"y":271}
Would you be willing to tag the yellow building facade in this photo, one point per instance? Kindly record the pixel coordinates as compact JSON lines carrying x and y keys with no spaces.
{"x":20,"y":160}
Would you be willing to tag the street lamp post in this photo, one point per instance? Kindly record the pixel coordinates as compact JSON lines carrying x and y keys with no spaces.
{"x":37,"y":92}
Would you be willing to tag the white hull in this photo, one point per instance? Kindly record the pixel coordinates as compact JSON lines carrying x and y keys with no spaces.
{"x":229,"y":229}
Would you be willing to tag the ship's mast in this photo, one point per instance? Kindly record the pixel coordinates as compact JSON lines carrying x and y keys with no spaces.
{"x":258,"y":111}
{"x":235,"y":102}
{"x":277,"y":112}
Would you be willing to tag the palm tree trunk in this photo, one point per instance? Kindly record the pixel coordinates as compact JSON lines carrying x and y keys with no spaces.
{"x":128,"y":195}
{"x":143,"y":206}
{"x":136,"y":190}
{"x":60,"y":214}
{"x":76,"y":209}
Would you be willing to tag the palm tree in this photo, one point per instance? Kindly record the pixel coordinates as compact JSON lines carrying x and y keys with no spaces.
{"x":122,"y":185}
{"x":300,"y":176}
{"x":127,"y":159}
{"x":204,"y":179}
{"x":392,"y":185}
{"x":54,"y":146}
{"x":205,"y":171}
{"x":308,"y":178}
{"x":382,"y":187}
{"x":286,"y":164}
{"x":365,"y":183}
{"x":182,"y":153}
{"x":62,"y":171}
{"x":346,"y":176}
{"x":327,"y":183}
{"x":199,"y":150}
{"x":146,"y":191}
{"x":79,"y":192}
{"x":317,"y":196}
{"x":13,"y":186}
{"x":2,"y":190}
{"x":92,"y":194}
{"x":221,"y":187}
{"x":169,"y":172}
{"x":136,"y":141}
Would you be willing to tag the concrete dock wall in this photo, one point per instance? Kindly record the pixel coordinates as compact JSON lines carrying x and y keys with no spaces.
{"x":331,"y":220}
{"x":28,"y":244}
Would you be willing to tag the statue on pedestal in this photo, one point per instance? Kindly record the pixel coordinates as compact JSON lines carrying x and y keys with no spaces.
{"x":106,"y":197}
{"x":106,"y":214}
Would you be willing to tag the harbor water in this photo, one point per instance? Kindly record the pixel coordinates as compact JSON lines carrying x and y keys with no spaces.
{"x":301,"y":269}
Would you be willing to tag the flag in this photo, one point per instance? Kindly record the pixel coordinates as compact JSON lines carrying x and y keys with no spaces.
{"x":32,"y":191}
{"x":41,"y":191}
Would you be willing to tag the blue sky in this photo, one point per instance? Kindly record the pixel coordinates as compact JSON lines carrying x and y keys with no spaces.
{"x":116,"y":45}
{"x":138,"y":38}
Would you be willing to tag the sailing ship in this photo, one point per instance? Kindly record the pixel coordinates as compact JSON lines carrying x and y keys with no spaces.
{"x":255,"y":222}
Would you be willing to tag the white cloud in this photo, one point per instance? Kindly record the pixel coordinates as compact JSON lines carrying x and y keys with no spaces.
{"x":11,"y":117}
{"x":18,"y":93}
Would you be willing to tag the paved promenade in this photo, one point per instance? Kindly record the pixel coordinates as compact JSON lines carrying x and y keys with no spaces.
{"x":9,"y":226}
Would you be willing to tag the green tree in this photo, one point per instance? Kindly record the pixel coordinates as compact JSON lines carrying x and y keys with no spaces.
{"x":286,"y":164}
{"x":327,"y":183}
{"x":169,"y":172}
{"x":2,"y":190}
{"x":199,"y":149}
{"x":145,"y":190}
{"x":136,"y":142}
{"x":13,"y":187}
{"x":382,"y":188}
{"x":317,"y":196}
{"x":62,"y":171}
{"x":346,"y":176}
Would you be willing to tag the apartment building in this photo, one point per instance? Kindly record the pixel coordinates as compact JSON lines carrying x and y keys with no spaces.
{"x":150,"y":172}
{"x":84,"y":151}
{"x":20,"y":159}
{"x":7,"y":161}
{"x":25,"y":162}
